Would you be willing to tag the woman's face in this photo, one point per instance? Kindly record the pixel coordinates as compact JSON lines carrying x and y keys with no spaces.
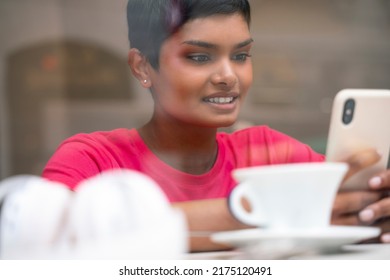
{"x":205,"y":72}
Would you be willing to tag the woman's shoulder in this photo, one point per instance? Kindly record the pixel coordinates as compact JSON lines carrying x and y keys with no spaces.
{"x":103,"y":137}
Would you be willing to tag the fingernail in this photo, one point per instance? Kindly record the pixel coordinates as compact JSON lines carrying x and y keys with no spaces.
{"x":385,"y":238}
{"x":375,"y":182}
{"x":366,"y":215}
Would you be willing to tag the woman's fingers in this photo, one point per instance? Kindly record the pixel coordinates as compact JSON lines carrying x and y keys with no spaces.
{"x":385,"y":237}
{"x":376,"y":211}
{"x":360,"y":161}
{"x":384,"y":225}
{"x":345,"y":220}
{"x":380,"y":181}
{"x":353,"y":202}
{"x":353,"y":220}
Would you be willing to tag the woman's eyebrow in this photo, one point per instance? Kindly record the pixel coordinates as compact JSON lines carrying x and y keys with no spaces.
{"x":244,"y":44}
{"x":208,"y":45}
{"x":202,"y":44}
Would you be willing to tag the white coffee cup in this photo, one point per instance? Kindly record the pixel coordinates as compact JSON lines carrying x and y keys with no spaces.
{"x":283,"y":196}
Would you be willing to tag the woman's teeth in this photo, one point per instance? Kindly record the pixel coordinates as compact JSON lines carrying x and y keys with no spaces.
{"x":220,"y":100}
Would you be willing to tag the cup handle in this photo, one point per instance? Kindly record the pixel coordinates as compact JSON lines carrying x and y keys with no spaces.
{"x":236,"y":208}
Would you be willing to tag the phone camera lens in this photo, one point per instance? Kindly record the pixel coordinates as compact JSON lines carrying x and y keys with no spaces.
{"x":349,"y":108}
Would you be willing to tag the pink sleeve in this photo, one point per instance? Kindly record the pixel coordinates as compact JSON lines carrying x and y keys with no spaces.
{"x":71,"y":163}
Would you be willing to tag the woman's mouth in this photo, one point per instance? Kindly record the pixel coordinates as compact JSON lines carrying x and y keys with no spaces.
{"x":220,"y":100}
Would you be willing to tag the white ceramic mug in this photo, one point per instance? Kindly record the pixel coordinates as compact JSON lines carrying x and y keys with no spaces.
{"x":284,"y":196}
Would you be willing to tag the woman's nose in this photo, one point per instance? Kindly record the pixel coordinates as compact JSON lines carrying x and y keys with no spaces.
{"x":224,"y":75}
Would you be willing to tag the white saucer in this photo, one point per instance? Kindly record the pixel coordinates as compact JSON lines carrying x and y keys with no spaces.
{"x":296,"y":240}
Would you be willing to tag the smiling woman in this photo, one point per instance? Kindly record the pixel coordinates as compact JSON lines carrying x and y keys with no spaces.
{"x":194,"y":56}
{"x":197,"y":71}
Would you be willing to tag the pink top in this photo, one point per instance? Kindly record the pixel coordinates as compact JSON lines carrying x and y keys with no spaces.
{"x":86,"y":155}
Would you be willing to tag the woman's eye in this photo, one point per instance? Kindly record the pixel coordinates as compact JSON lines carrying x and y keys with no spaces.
{"x":241,"y":57}
{"x":199,"y":58}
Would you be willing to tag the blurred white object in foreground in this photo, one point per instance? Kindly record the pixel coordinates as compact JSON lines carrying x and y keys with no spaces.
{"x":32,"y":217}
{"x":118,"y":214}
{"x":125,"y":214}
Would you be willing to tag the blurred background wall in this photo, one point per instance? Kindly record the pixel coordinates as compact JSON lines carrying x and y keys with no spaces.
{"x":63,"y":70}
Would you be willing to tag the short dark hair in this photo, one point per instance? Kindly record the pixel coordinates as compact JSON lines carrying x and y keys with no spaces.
{"x":151,"y":22}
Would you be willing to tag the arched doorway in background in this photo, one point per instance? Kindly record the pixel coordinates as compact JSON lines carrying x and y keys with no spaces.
{"x":44,"y":82}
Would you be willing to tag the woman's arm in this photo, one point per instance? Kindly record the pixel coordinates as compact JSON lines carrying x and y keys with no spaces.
{"x":205,"y":217}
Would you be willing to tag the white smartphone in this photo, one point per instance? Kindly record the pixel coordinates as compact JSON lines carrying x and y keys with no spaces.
{"x":360,"y":120}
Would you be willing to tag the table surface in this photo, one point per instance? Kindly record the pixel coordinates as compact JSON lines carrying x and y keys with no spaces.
{"x":348,"y":252}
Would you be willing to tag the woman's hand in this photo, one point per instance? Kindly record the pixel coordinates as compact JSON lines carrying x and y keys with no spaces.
{"x":378,"y":212}
{"x":365,"y":207}
{"x":354,"y":208}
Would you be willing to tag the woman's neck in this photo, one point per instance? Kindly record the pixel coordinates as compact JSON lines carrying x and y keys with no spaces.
{"x":187,"y":148}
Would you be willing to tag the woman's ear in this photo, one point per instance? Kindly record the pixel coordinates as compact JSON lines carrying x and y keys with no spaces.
{"x":139,"y":67}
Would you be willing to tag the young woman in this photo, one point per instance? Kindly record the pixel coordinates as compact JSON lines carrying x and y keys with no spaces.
{"x":195,"y":58}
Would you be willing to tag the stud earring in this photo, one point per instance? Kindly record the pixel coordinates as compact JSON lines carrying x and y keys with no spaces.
{"x":145,"y":81}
